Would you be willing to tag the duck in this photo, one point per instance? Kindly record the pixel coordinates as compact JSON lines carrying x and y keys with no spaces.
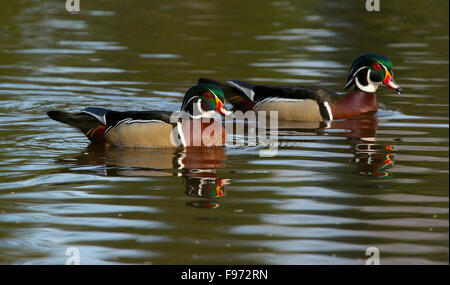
{"x":197,"y":124}
{"x":315,"y":103}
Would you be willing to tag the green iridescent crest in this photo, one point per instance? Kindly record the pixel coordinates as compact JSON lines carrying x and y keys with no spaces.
{"x":206,"y":92}
{"x":377,"y":63}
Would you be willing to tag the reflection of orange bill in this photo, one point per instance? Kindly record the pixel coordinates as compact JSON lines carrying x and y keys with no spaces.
{"x":219,"y":185}
{"x":212,"y":205}
{"x":372,"y":147}
{"x":388,"y":160}
{"x":205,"y":204}
{"x":379,"y":174}
{"x":219,"y":191}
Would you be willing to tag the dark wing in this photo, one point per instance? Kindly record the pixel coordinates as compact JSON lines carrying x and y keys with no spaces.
{"x":245,"y":96}
{"x":322,"y":96}
{"x":316,"y":93}
{"x":261,"y":94}
{"x":111,"y":118}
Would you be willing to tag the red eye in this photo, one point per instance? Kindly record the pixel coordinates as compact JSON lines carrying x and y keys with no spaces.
{"x":376,"y":66}
{"x":207,"y":95}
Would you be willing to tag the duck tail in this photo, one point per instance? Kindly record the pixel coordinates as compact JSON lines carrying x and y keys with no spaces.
{"x":233,"y":93}
{"x":86,"y":123}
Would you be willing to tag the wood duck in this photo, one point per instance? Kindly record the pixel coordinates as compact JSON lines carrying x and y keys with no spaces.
{"x":314,"y":103}
{"x":201,"y":104}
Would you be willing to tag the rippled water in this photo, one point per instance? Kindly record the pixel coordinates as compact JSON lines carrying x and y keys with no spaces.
{"x":329,"y":193}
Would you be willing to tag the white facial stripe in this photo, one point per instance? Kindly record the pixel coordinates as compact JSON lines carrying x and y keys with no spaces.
{"x":202,"y":113}
{"x":371,"y":86}
{"x":215,"y":95}
{"x":385,"y":69}
{"x":199,"y":109}
{"x":187,"y":103}
{"x":354,"y":75}
{"x":220,"y":101}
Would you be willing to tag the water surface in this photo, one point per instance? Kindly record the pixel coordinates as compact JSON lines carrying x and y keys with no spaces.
{"x":329,"y":193}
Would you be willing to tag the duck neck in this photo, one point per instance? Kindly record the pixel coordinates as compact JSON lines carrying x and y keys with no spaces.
{"x":353,"y":104}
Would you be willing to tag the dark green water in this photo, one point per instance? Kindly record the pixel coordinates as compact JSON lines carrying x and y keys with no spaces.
{"x":325,"y":198}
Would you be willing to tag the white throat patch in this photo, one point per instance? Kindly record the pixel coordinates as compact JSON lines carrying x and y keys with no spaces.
{"x":200,"y":113}
{"x":371,"y":86}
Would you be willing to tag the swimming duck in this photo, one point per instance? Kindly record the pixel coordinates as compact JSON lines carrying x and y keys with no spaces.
{"x":314,"y":103}
{"x":198,"y":127}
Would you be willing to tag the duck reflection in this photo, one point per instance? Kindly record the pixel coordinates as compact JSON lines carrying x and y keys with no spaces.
{"x":196,"y":166}
{"x":371,"y":159}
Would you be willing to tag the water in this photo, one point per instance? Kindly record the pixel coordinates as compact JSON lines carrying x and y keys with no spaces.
{"x":328,"y":195}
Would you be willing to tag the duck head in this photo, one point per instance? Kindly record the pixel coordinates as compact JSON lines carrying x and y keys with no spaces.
{"x":203,"y":101}
{"x":370,"y":71}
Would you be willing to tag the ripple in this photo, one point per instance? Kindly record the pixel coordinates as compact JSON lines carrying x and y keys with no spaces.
{"x":86,"y":208}
{"x":71,"y":69}
{"x":300,"y":259}
{"x":93,"y":45}
{"x":66,"y":24}
{"x":102,"y":13}
{"x":328,"y":194}
{"x":408,"y":45}
{"x":75,"y":81}
{"x":54,"y":51}
{"x":159,"y":55}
